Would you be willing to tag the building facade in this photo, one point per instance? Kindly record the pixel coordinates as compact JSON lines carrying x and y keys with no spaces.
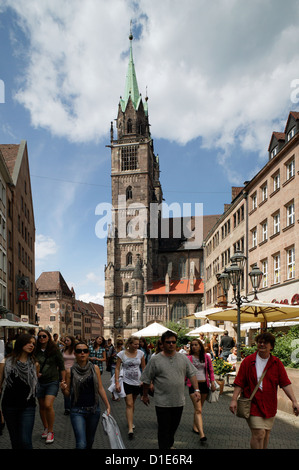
{"x":18,"y":228}
{"x":60,"y":312}
{"x":261,"y":221}
{"x":152,"y":272}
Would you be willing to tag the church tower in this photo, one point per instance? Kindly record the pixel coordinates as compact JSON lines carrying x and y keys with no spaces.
{"x":131,"y":250}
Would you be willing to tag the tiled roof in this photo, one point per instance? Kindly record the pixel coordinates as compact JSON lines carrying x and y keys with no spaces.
{"x":177,"y":287}
{"x":99,"y":309}
{"x":295,"y":114}
{"x":10,"y":153}
{"x":170,"y":243}
{"x":52,"y":280}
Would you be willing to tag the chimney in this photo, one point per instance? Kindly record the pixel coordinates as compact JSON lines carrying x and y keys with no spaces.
{"x":236,"y":190}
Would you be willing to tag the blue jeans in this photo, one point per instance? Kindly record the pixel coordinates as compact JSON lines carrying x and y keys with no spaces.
{"x":84,"y":422}
{"x":20,"y":424}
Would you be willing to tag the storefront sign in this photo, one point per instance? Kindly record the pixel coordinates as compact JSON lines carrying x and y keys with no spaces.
{"x":294,"y":301}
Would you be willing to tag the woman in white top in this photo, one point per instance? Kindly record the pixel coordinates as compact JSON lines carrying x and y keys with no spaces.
{"x":232,"y":358}
{"x":131,"y":359}
{"x":68,"y":355}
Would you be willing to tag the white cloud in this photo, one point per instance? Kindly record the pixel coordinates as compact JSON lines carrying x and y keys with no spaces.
{"x":44,"y":247}
{"x":218,"y":70}
{"x":98,"y":298}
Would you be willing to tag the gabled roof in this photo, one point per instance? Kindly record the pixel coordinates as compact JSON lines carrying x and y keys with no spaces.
{"x":10,"y":154}
{"x":278,"y":136}
{"x":99,"y":309}
{"x":294,"y":115}
{"x":176,"y":287}
{"x":52,"y":281}
{"x":4,"y":168}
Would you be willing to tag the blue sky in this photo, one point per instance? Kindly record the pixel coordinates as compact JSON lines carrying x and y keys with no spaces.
{"x":220,"y":77}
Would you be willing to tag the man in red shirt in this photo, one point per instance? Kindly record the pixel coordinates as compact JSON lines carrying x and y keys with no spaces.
{"x":264,"y":403}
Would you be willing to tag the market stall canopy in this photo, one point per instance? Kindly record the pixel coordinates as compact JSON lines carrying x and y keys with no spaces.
{"x":207,"y":328}
{"x":257,"y":311}
{"x":15,"y":324}
{"x":152,"y":330}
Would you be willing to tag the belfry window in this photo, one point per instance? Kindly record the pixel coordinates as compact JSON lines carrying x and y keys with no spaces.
{"x":129,"y":159}
{"x":129,"y":126}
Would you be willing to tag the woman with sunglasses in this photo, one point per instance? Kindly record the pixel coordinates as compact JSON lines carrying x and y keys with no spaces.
{"x":18,"y":375}
{"x":51,"y":369}
{"x":84,"y":386}
{"x":132,"y":360}
{"x":205,"y":376}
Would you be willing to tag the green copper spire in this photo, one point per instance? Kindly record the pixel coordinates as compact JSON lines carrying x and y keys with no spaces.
{"x":131,"y":86}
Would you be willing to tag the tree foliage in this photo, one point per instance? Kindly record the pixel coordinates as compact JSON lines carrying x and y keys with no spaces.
{"x":286,"y":345}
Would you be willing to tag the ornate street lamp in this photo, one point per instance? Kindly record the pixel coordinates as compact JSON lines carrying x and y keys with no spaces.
{"x":232,"y":275}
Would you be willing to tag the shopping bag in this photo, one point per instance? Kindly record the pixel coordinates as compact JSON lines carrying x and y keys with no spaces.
{"x":213,"y":397}
{"x":111,"y":428}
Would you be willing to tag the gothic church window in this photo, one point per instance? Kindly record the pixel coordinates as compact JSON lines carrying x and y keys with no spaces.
{"x":179,"y":310}
{"x":182,"y":268}
{"x":129,"y":259}
{"x":128,"y":314}
{"x":129,"y":193}
{"x":129,"y":160}
{"x":129,"y":126}
{"x":126,"y":289}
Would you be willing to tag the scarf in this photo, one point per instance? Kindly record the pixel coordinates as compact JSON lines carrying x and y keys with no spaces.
{"x":25,"y":371}
{"x":79,"y":377}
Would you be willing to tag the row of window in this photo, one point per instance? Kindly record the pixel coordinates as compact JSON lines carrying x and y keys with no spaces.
{"x":275,"y":184}
{"x":237,"y":218}
{"x":274,"y":267}
{"x":25,"y":258}
{"x":214,"y":268}
{"x":276,"y":225}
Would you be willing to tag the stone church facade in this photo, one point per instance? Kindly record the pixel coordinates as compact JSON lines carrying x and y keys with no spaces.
{"x":153,"y":271}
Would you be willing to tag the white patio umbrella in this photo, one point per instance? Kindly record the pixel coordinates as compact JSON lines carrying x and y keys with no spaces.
{"x":203,"y":313}
{"x":152,"y":330}
{"x":207,"y":328}
{"x":256,"y":311}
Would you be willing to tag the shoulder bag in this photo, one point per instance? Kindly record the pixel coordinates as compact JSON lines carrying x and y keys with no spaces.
{"x":244,"y":404}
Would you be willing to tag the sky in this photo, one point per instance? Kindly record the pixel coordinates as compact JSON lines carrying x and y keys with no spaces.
{"x":220,"y":77}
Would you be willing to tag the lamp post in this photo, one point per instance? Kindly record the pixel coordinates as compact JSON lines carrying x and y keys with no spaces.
{"x":232,"y":275}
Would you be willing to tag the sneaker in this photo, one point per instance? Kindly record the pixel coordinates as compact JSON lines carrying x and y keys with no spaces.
{"x":50,"y":438}
{"x":45,"y":434}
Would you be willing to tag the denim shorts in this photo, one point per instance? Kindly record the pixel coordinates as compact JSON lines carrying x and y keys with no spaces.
{"x":50,"y":388}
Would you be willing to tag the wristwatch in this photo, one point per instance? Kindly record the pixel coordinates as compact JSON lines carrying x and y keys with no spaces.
{"x":197,"y":390}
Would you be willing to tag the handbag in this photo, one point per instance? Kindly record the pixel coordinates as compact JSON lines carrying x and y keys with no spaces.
{"x":244,"y":404}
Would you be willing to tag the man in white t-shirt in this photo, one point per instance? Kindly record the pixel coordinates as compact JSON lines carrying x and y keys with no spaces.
{"x":167,"y":371}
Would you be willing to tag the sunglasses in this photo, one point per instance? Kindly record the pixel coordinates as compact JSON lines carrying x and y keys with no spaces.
{"x":42,"y":336}
{"x":80,"y":351}
{"x":170,"y":342}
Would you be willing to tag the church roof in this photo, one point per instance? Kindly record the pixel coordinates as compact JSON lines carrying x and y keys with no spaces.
{"x":181,"y":286}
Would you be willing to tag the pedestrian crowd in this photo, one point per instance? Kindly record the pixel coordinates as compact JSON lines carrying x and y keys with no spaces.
{"x":35,"y":367}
